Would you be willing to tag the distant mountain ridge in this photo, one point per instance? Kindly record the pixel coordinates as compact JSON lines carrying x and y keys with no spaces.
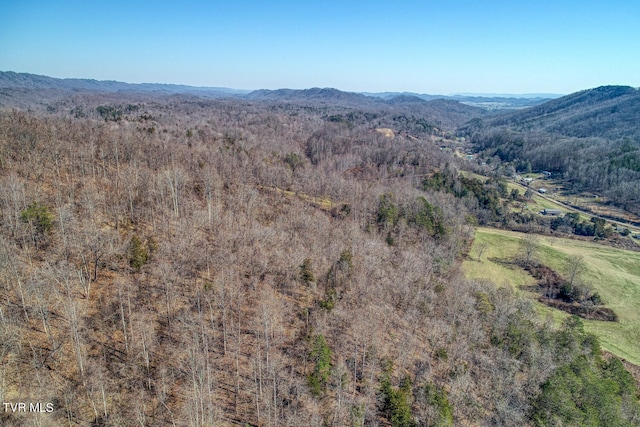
{"x":492,"y":102}
{"x":13,"y":80}
{"x":511,"y":95}
{"x":312,"y":94}
{"x":23,"y":90}
{"x":10,"y":79}
{"x":443,"y":113}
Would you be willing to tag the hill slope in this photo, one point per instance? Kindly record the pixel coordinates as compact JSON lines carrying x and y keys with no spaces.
{"x":591,"y":138}
{"x":608,"y":112}
{"x":438,"y":113}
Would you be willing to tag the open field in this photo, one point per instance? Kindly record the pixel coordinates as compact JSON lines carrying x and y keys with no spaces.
{"x":613,"y":273}
{"x":472,"y":175}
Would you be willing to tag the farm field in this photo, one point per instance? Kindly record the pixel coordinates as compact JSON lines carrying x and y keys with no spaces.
{"x":613,"y":273}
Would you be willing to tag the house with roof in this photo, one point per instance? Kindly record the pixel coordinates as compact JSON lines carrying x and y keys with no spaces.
{"x":552,"y":212}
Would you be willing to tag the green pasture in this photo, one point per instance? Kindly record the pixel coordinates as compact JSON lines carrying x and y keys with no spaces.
{"x":613,"y":273}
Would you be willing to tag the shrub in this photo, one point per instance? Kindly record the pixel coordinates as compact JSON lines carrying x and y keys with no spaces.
{"x":306,"y":272}
{"x":483,"y":303}
{"x":138,"y":253}
{"x":329,"y":302}
{"x":442,"y":354}
{"x":437,"y":398}
{"x":388,"y":211}
{"x":294,"y":161}
{"x":38,"y":216}
{"x":110,"y":113}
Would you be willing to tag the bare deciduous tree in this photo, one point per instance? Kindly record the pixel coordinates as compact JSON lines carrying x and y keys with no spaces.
{"x":481,"y":248}
{"x":575,"y":268}
{"x":529,"y":247}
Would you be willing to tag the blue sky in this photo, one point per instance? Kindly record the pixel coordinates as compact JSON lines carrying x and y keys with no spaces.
{"x":437,"y":47}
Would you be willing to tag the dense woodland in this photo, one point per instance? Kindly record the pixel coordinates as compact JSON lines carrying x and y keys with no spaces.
{"x":186,"y":262}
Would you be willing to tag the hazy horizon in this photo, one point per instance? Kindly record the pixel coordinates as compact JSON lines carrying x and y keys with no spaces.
{"x":436,"y":47}
{"x":368,"y":93}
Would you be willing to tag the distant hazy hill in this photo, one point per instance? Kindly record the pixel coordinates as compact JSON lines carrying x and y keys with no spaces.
{"x":12,"y":80}
{"x":326,"y":95}
{"x":405,"y":111}
{"x":491,"y":102}
{"x":406,"y":99}
{"x":440,"y":113}
{"x":450,"y":113}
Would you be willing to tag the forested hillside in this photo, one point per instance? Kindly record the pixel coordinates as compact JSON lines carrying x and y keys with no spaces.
{"x":189,"y":262}
{"x":30,"y":91}
{"x":590,"y":138}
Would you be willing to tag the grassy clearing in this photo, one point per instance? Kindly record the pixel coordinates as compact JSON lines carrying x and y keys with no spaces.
{"x":545,"y":203}
{"x":472,"y":175}
{"x":323,"y":203}
{"x":537,"y":202}
{"x":386,"y":132}
{"x":614,"y":273}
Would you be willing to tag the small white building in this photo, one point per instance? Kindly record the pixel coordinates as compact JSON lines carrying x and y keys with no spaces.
{"x":552,"y":212}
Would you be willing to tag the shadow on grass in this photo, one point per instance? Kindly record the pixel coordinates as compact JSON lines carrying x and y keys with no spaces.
{"x":550,"y":286}
{"x":508,"y":263}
